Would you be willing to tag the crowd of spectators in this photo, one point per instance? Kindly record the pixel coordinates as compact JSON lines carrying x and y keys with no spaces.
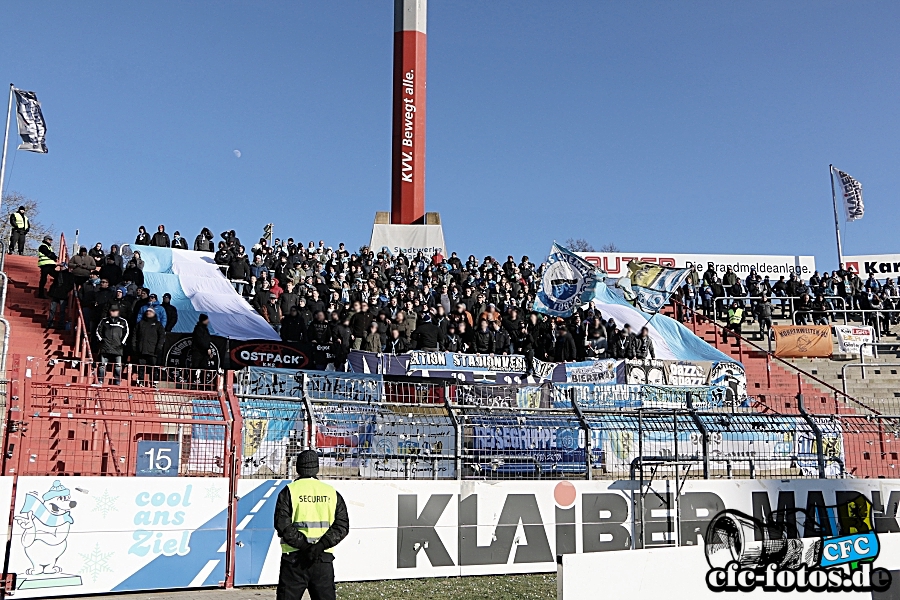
{"x":375,"y":301}
{"x":821,"y":300}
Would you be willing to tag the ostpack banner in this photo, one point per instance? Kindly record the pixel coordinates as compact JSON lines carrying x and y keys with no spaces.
{"x":408,"y":239}
{"x":851,"y":339}
{"x":802,"y":341}
{"x":616,"y":263}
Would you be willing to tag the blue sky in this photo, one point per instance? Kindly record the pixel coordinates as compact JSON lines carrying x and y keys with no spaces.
{"x":659,"y":126}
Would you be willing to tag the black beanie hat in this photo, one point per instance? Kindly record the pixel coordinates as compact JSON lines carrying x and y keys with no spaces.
{"x":307,"y":463}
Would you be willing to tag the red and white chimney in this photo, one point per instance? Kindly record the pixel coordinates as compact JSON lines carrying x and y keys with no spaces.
{"x":408,"y":147}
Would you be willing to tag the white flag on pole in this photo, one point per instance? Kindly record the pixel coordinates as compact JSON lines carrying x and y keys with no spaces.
{"x":851,"y":190}
{"x":32,"y":128}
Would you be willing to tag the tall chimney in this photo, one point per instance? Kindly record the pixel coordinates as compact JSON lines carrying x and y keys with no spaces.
{"x":408,"y":143}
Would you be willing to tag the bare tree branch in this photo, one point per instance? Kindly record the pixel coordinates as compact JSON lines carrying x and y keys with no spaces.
{"x":11,"y":202}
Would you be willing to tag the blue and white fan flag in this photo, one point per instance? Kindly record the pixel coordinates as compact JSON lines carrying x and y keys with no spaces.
{"x":568,"y":282}
{"x":648,"y":285}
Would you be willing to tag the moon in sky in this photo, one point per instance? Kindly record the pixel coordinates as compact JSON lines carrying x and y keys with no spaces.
{"x":237,"y":153}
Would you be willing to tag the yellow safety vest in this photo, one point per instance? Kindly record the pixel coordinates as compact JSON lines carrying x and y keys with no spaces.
{"x":314,"y":504}
{"x":735,"y":316}
{"x":21,"y":221}
{"x":44,"y":259}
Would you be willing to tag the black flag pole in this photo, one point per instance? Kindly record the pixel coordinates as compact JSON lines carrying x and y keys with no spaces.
{"x":837,"y":227}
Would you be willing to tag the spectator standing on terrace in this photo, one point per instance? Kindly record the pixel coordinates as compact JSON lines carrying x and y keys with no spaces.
{"x":239,"y":270}
{"x":171,"y":312}
{"x":63,"y":283}
{"x":201,"y":344}
{"x":730,"y":278}
{"x":204,"y":241}
{"x":735,"y":320}
{"x":564,"y":349}
{"x":523,"y":344}
{"x":482,"y":339}
{"x":20,"y":226}
{"x":161,"y":238}
{"x":292,"y":326}
{"x":596,"y":345}
{"x":271,"y":313}
{"x":116,"y":256}
{"x":46,"y":262}
{"x":372,"y":341}
{"x":179,"y":242}
{"x":310,"y":518}
{"x":764,"y":312}
{"x":97,"y":253}
{"x":157,"y":309}
{"x":502,"y":343}
{"x":149,"y":339}
{"x":644,"y":345}
{"x":112,"y":333}
{"x":143,"y":238}
{"x":396,"y":343}
{"x":427,"y":335}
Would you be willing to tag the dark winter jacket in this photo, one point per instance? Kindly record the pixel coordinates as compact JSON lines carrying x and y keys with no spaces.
{"x":160,"y":239}
{"x":112,"y":332}
{"x":564,"y":350}
{"x":427,"y":335}
{"x":149,"y":337}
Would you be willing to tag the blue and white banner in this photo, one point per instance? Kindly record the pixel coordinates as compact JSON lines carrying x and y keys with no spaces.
{"x":648,"y":285}
{"x":567,"y":283}
{"x":198,"y":286}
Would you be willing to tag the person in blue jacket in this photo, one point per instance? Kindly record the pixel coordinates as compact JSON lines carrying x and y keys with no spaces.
{"x":157,"y":308}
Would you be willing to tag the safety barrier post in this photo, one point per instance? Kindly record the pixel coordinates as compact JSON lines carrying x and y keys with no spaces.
{"x":820,"y":452}
{"x":588,"y":450}
{"x":457,"y":432}
{"x":310,"y":417}
{"x":704,"y":433}
{"x":233,"y":449}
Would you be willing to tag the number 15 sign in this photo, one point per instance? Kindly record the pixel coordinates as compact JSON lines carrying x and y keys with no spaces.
{"x":158,"y":459}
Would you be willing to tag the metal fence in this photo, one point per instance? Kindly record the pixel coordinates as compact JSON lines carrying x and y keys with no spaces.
{"x":366,"y":427}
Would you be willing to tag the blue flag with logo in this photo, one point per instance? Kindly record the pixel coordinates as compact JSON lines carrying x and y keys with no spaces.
{"x":567,"y":283}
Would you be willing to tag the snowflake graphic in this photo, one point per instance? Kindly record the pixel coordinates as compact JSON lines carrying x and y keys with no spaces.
{"x":105,"y":504}
{"x":212,"y":493}
{"x":96,"y":563}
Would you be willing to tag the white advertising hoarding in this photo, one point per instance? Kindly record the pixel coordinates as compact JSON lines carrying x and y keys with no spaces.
{"x":615,"y":263}
{"x":408,"y":239}
{"x":881,"y":265}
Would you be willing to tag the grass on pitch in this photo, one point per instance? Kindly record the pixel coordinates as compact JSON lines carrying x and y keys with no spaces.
{"x":501,"y":587}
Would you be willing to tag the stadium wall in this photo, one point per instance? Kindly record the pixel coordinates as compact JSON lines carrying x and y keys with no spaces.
{"x":81,"y":535}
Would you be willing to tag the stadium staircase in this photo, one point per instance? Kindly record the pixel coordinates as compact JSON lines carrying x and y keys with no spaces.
{"x":775,"y":386}
{"x":27,"y":316}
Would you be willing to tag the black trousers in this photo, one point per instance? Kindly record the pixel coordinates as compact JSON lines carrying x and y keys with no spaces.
{"x":296,"y":576}
{"x":46,"y":271}
{"x":17,"y":241}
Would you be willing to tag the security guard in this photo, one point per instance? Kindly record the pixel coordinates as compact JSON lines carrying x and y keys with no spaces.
{"x":311,"y":519}
{"x":46,"y":262}
{"x":20,"y":226}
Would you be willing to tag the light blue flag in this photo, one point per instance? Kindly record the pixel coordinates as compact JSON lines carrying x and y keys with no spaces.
{"x":648,"y":285}
{"x":568,"y":282}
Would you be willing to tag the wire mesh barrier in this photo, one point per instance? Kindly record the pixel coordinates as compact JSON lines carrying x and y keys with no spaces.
{"x":94,"y":430}
{"x":367,"y":427}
